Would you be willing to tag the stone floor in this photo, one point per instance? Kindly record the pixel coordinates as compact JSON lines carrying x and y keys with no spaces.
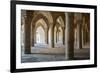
{"x":44,"y":50}
{"x":42,"y":58}
{"x":82,"y":54}
{"x":79,"y":54}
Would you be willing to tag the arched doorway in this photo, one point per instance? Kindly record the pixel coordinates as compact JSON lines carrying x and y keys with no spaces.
{"x":40,"y":35}
{"x":61,"y":30}
{"x":60,"y":35}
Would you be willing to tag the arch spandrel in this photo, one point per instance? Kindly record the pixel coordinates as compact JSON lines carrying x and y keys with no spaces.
{"x":46,"y":14}
{"x":38,"y":17}
{"x":42,"y":22}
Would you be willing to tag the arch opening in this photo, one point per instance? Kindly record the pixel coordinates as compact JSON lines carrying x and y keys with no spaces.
{"x":40,"y":35}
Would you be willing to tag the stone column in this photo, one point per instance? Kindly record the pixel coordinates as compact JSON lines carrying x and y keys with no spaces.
{"x":56,"y":36}
{"x":83,"y":23}
{"x":46,"y":36}
{"x":52,"y":37}
{"x":35,"y":35}
{"x":63,"y":36}
{"x":32,"y":36}
{"x":79,"y":30}
{"x":69,"y":34}
{"x":79,"y":36}
{"x":28,"y":32}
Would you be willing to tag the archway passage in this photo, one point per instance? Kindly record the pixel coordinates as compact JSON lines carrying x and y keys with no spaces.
{"x":53,"y":33}
{"x":44,"y":34}
{"x":40,"y":35}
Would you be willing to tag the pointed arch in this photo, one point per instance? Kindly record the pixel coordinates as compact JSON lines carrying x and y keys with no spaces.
{"x":47,"y":14}
{"x":40,"y":23}
{"x":40,"y":35}
{"x":60,"y":21}
{"x":38,"y":17}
